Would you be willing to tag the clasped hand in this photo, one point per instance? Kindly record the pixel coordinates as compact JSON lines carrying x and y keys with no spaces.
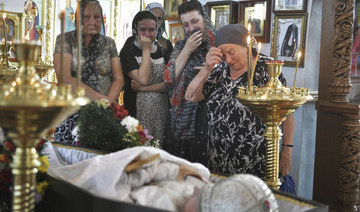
{"x":193,"y":42}
{"x":136,"y":86}
{"x":144,"y":42}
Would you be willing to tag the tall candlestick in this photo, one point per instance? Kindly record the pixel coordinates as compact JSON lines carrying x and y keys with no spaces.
{"x":5,"y":35}
{"x":297,"y":65}
{"x":79,"y":39}
{"x":62,"y":21}
{"x":249,"y":61}
{"x":256,"y":59}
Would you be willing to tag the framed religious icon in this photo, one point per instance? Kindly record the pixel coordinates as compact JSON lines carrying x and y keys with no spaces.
{"x":12,"y":26}
{"x":256,"y":14}
{"x":222,"y":13}
{"x":171,"y":9}
{"x":289,"y":34}
{"x":41,"y":5}
{"x":31,"y":16}
{"x":290,"y":5}
{"x":176,"y":32}
{"x":355,"y":58}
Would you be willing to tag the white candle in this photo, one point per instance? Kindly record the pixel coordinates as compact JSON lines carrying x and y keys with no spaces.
{"x":62,"y":21}
{"x":249,"y":61}
{"x":297,"y":65}
{"x":5,"y":36}
{"x":79,"y":39}
{"x":256,"y":59}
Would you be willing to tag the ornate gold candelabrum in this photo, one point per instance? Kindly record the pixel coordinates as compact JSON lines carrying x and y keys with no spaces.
{"x":28,"y":108}
{"x":273,"y":103}
{"x":42,"y":67}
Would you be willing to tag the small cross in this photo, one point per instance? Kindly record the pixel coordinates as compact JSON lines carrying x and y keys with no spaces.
{"x":2,"y":6}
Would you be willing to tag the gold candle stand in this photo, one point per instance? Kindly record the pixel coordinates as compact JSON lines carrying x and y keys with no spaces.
{"x":273,"y":103}
{"x":28,"y":108}
{"x":42,"y":67}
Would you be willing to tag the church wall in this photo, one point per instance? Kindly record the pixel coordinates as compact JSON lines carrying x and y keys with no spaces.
{"x":13,"y":5}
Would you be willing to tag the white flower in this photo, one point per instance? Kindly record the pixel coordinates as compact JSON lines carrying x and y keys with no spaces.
{"x":103,"y":103}
{"x":74,"y":132}
{"x":130,"y":123}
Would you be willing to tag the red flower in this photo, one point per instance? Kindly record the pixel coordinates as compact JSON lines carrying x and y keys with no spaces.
{"x":40,"y":144}
{"x":3,"y":158}
{"x":6,"y":176}
{"x":9,"y":146}
{"x":119,"y":111}
{"x":141,"y":133}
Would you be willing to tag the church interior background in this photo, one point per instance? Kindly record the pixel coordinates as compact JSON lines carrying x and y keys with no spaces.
{"x":320,"y":126}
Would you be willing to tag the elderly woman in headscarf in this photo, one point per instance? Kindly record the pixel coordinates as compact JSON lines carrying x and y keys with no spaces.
{"x":159,"y":12}
{"x":236,"y":135}
{"x":143,"y":63}
{"x":101,"y":74}
{"x":187,"y":134}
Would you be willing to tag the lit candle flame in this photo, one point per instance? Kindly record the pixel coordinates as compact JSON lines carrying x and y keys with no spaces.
{"x":248,"y":40}
{"x":259,"y":46}
{"x":4,"y":16}
{"x":249,"y":27}
{"x":299,"y":55}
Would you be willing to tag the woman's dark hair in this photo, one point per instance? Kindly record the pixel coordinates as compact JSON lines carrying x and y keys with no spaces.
{"x":190,"y":6}
{"x":83,"y":4}
{"x":141,"y":16}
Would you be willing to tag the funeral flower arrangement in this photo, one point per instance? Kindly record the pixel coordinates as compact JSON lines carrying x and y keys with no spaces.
{"x":7,"y":150}
{"x":108,"y":127}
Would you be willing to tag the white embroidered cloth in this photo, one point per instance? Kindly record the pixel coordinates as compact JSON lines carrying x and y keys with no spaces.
{"x":101,"y":174}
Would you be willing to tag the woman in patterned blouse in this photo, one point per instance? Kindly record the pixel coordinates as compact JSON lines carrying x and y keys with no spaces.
{"x":101,"y":74}
{"x":236,"y":135}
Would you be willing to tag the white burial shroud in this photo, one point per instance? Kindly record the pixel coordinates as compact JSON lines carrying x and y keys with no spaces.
{"x":101,"y":174}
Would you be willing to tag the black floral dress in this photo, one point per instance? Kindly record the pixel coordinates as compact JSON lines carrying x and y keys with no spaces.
{"x":236,"y":135}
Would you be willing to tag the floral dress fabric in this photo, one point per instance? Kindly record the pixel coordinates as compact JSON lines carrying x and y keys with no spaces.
{"x":152,"y":108}
{"x":236,"y":135}
{"x":95,"y":71}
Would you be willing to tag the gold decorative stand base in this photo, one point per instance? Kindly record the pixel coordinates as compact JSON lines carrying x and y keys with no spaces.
{"x":28,"y":107}
{"x":273,"y":103}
